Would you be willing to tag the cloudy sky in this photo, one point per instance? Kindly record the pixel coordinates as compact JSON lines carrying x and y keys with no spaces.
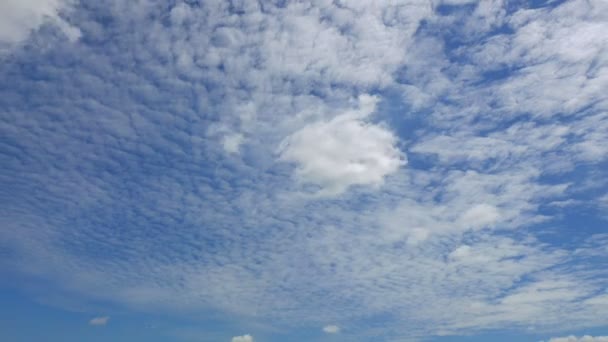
{"x":269,"y":171}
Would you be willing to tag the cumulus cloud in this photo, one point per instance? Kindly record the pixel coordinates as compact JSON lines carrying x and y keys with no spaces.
{"x":331,"y":329}
{"x":344,"y":151}
{"x":244,"y":338}
{"x":101,"y":320}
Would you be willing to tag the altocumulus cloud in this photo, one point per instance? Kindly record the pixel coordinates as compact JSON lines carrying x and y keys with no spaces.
{"x":436,"y":135}
{"x":19,"y":18}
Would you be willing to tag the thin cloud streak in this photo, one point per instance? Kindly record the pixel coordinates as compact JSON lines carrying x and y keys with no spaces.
{"x":101,"y":320}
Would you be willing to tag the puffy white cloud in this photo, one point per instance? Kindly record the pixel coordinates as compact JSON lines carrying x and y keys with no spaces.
{"x":331,"y":329}
{"x":344,"y":151}
{"x":102,"y":320}
{"x":244,"y":338}
{"x":585,"y":338}
{"x":19,"y":17}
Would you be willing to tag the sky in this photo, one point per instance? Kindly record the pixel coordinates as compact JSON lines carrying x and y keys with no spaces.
{"x":269,"y":171}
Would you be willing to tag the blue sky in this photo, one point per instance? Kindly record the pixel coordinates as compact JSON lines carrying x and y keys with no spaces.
{"x":320,"y":170}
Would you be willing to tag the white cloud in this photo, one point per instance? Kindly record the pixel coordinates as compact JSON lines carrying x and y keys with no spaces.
{"x":480,"y":215}
{"x":456,"y":2}
{"x":232,"y":142}
{"x":344,"y":151}
{"x":331,"y":329}
{"x":18,"y":18}
{"x":244,"y":338}
{"x":469,"y":149}
{"x":602,"y":201}
{"x":414,"y":248}
{"x":558,"y":51}
{"x":102,"y":320}
{"x":585,"y":338}
{"x":271,"y":62}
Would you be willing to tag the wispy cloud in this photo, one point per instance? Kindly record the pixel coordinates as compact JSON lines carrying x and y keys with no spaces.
{"x":585,"y":338}
{"x":101,"y":320}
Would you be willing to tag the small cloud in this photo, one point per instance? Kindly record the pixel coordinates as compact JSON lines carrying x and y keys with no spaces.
{"x":417,"y":235}
{"x":244,"y":338}
{"x":103,"y":320}
{"x":585,"y":338}
{"x":232,"y":143}
{"x":481,"y":215}
{"x":331,"y":329}
{"x":343,"y":152}
{"x":460,"y":253}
